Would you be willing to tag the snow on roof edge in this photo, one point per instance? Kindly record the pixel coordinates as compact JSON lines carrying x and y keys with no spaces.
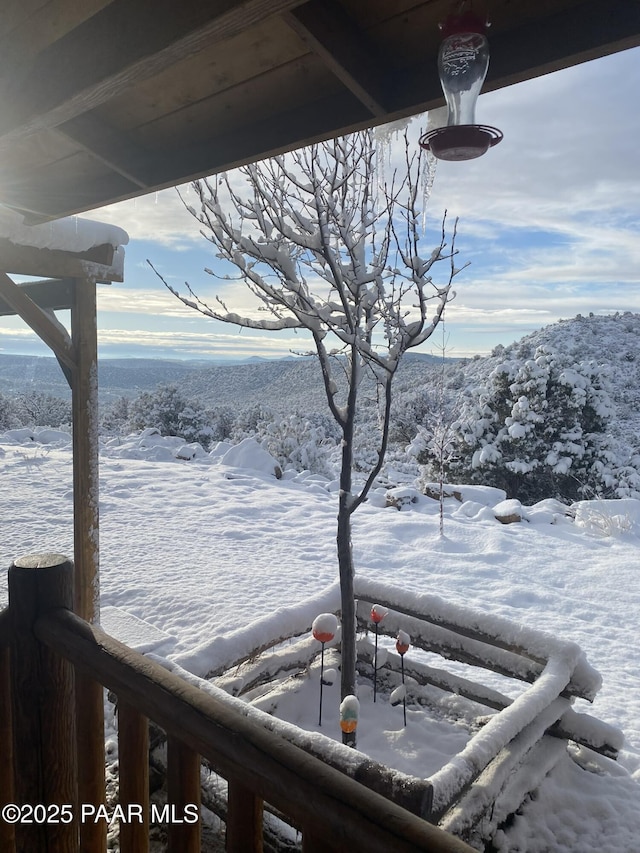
{"x":71,"y":234}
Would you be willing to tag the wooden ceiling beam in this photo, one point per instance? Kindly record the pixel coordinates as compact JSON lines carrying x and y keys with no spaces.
{"x":51,"y":196}
{"x":333,"y":35}
{"x":115,"y":150}
{"x":37,"y":318}
{"x":126,"y":42}
{"x":579,"y":34}
{"x":28,"y":260}
{"x":55,"y":294}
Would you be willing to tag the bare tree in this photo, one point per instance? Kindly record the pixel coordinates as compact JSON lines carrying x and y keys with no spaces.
{"x":434,"y":443}
{"x":327,"y":247}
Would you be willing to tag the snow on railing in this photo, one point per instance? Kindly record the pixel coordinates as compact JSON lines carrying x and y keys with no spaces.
{"x":509,"y":753}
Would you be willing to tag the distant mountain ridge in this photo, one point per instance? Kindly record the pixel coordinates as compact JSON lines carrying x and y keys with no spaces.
{"x":283,"y":384}
{"x":295,"y":383}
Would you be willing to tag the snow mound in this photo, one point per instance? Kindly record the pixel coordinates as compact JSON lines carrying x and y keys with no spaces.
{"x":251,"y":455}
{"x":608,"y":517}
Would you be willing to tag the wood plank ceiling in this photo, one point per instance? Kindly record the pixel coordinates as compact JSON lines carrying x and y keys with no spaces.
{"x":102,"y":101}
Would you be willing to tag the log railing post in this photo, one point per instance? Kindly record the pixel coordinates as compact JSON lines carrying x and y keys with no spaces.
{"x":183,"y":789}
{"x":245,"y":811}
{"x":133,"y":770}
{"x":43,"y":707}
{"x":7,"y":794}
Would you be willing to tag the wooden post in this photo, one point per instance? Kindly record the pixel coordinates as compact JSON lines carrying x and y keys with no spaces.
{"x":43,"y":706}
{"x":133,"y":767}
{"x":84,"y":394}
{"x":7,"y":793}
{"x":244,"y":819}
{"x":183,"y":788}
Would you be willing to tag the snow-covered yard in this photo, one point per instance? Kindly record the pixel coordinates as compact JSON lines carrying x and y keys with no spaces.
{"x":205,"y":547}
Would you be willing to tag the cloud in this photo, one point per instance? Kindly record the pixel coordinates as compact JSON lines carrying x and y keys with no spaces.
{"x":141,"y":302}
{"x":206,"y":344}
{"x":159,"y":218}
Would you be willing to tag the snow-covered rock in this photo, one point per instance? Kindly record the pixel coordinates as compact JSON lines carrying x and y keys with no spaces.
{"x":249,"y":454}
{"x":401,"y":497}
{"x":508,"y":512}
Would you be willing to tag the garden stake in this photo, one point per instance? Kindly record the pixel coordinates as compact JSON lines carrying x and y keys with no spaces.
{"x":324,"y":629}
{"x":402,"y":647}
{"x":377,"y":615}
{"x":321,"y":684}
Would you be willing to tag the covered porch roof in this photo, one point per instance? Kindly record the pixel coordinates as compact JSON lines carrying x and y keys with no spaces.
{"x":106,"y":100}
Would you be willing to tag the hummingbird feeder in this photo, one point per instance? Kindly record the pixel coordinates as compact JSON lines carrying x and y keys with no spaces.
{"x":463,"y":60}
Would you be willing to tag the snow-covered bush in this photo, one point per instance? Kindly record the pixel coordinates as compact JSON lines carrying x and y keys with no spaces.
{"x":306,"y":443}
{"x":8,"y":415}
{"x":114,"y":417}
{"x":538,"y":429}
{"x":41,"y":409}
{"x":168,"y":411}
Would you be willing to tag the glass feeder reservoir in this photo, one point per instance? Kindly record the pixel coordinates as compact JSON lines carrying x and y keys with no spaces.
{"x":463,"y":61}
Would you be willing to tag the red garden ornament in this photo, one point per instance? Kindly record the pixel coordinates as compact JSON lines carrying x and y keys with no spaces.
{"x":402,"y":647}
{"x":463,"y":61}
{"x":378,"y":612}
{"x":323,"y":629}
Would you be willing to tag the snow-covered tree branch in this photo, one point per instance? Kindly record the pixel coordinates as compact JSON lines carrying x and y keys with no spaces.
{"x":327,"y":245}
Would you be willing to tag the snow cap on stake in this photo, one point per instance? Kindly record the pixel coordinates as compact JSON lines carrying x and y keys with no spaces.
{"x":403,"y":642}
{"x":378,"y":612}
{"x":324,"y":627}
{"x":349,"y":712}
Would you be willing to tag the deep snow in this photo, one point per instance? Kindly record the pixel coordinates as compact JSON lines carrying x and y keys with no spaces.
{"x":201,"y":548}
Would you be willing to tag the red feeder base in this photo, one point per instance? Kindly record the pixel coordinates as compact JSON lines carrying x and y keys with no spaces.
{"x":460,"y":141}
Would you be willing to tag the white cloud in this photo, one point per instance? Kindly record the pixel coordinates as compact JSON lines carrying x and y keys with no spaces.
{"x":154,"y":303}
{"x":206,"y":344}
{"x":159,"y":217}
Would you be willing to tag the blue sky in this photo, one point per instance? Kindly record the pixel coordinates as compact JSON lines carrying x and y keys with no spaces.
{"x":549,"y":222}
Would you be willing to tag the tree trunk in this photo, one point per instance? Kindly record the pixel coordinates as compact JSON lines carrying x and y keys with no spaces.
{"x":346,"y":571}
{"x":347,"y":603}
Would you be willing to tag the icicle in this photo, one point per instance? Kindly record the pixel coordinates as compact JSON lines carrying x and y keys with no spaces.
{"x":435,"y":118}
{"x":384,"y":136}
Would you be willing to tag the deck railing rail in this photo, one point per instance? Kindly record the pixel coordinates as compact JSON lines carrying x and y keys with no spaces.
{"x":43,"y":644}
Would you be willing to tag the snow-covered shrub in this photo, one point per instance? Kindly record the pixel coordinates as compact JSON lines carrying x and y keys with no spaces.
{"x":168,"y":411}
{"x":114,"y":417}
{"x":251,"y":421}
{"x":538,"y":429}
{"x":305,"y":443}
{"x":608,"y":518}
{"x":221,"y":420}
{"x":8,"y":415}
{"x":41,"y":409}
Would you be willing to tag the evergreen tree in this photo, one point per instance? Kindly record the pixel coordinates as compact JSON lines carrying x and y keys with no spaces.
{"x":539,"y":429}
{"x":168,"y":411}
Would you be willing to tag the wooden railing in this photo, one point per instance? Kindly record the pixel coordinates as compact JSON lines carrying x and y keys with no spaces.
{"x":514,"y":743}
{"x":43,"y":644}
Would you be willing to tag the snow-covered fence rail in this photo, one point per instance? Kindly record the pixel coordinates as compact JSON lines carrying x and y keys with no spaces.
{"x":511,"y":752}
{"x":514,"y":747}
{"x":48,"y":642}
